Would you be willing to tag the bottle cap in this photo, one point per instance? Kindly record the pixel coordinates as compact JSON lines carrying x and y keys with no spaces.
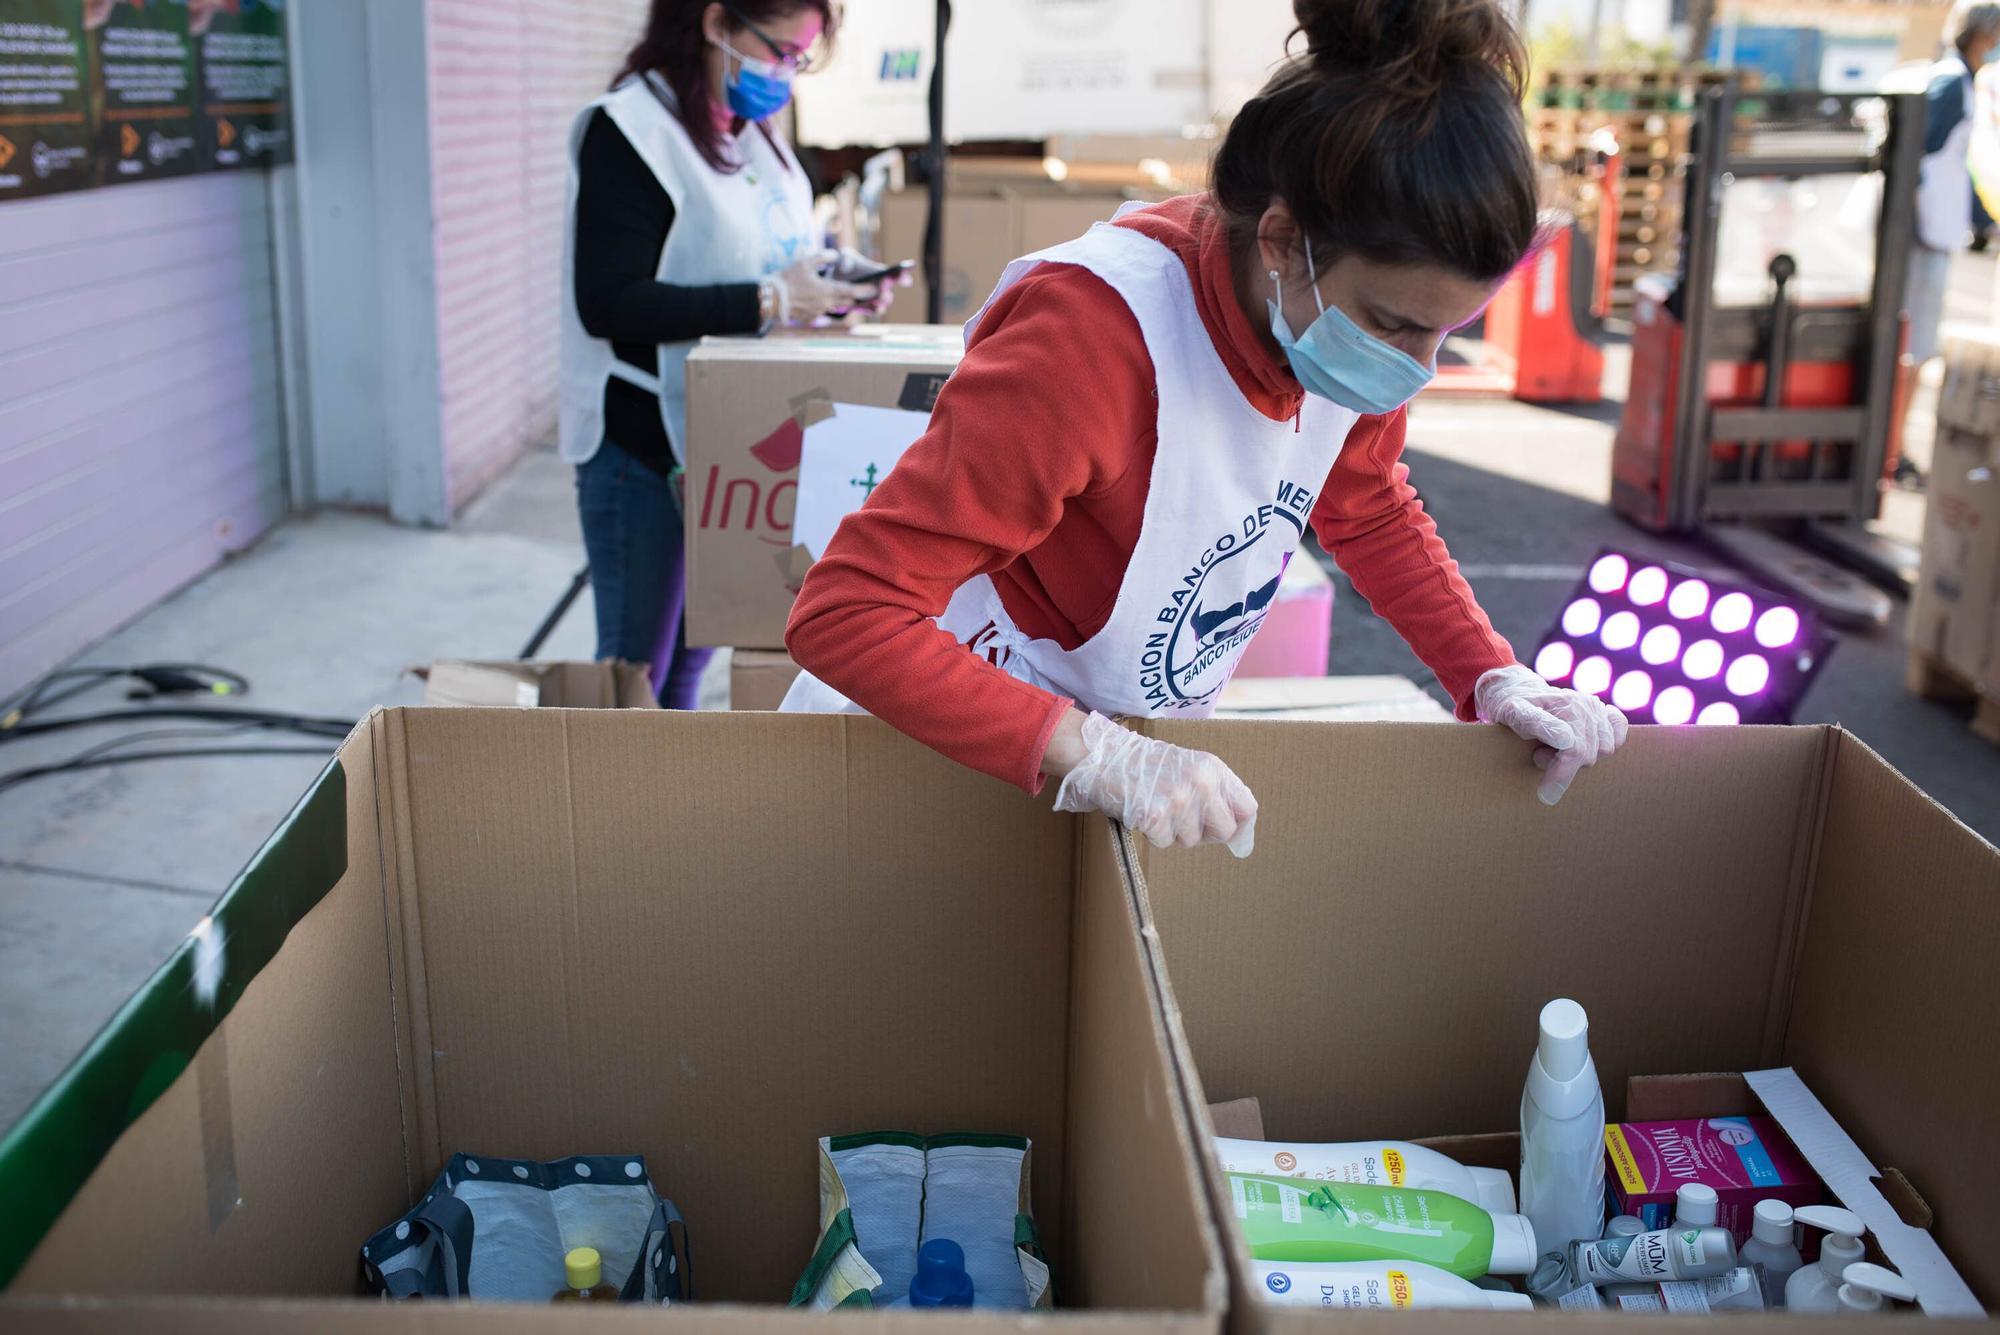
{"x":941,"y":1279}
{"x":1625,"y":1226}
{"x":1513,"y":1246}
{"x":1565,"y":1042}
{"x":1877,"y":1282}
{"x":1509,"y":1302}
{"x":1695,"y":1206}
{"x":1772,"y":1223}
{"x":583,"y":1268}
{"x":1493,"y":1190}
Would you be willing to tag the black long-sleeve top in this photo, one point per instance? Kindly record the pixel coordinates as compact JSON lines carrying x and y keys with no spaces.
{"x":622,"y":219}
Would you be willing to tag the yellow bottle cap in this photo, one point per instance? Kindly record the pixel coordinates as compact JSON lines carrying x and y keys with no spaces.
{"x":584,"y":1268}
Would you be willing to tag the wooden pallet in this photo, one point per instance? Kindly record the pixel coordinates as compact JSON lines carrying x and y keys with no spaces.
{"x":1935,"y":680}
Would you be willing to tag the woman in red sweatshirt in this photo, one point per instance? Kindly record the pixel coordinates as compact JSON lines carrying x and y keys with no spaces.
{"x":1147,"y":418}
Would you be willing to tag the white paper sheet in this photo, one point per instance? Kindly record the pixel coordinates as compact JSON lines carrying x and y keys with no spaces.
{"x":842,"y":460}
{"x":1841,"y":1164}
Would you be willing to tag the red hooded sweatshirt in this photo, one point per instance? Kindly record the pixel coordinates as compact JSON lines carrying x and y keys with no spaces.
{"x":1035,"y":469}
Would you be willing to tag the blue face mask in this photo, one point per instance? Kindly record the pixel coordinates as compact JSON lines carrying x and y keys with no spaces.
{"x":759,"y":90}
{"x":1338,"y":360}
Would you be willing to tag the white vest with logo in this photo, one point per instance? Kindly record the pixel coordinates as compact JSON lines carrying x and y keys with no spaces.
{"x":1944,"y":191}
{"x":728,"y":227}
{"x":1229,"y":499}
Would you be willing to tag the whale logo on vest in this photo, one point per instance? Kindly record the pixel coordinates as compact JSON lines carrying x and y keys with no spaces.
{"x":1219,"y":602}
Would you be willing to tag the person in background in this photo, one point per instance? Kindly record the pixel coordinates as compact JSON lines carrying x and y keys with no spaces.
{"x":688,"y":215}
{"x":1944,"y":190}
{"x":1148,"y":417}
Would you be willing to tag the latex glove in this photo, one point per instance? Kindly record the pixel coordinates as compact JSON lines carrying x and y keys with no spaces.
{"x":805,"y":294}
{"x":1575,"y":730}
{"x":1170,"y":794}
{"x":848,"y":263}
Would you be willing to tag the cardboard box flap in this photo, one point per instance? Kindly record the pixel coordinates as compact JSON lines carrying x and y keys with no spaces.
{"x":1895,"y":969}
{"x":186,"y":1151}
{"x":517,"y":685}
{"x":1487,"y":883}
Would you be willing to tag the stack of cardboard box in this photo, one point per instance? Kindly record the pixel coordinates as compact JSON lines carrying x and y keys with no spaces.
{"x":752,"y":408}
{"x":998,"y":209}
{"x":1954,"y":627}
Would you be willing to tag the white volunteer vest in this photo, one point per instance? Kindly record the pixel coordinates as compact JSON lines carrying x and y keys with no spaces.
{"x":1230,"y":495}
{"x":1944,"y":191}
{"x":728,"y":228}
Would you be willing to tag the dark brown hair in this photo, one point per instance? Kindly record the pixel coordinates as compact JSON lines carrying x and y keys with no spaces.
{"x":1397,"y":136}
{"x":675,"y":46}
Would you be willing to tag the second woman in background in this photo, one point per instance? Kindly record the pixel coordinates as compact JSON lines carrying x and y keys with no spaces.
{"x":688,"y":215}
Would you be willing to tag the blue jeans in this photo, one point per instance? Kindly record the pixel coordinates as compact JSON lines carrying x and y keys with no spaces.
{"x":638,"y":571}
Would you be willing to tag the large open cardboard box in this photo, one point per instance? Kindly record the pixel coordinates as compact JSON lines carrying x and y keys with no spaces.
{"x":1718,"y":900}
{"x":709,"y":938}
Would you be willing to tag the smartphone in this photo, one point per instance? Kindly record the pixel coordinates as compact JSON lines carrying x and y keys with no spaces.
{"x":896,"y":270}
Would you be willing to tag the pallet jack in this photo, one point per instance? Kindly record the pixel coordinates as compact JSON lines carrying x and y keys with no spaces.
{"x":1757,"y":423}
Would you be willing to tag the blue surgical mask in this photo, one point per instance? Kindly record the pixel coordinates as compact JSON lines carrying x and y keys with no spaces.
{"x":760,"y":88}
{"x":1339,"y":360}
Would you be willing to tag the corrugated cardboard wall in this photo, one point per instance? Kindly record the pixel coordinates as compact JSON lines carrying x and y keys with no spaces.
{"x":1377,"y":967}
{"x":293,"y":1102}
{"x":506,"y":79}
{"x":1896,"y":1021}
{"x":140,"y":427}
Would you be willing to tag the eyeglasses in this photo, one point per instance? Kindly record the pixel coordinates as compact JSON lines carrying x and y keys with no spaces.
{"x":799,"y":60}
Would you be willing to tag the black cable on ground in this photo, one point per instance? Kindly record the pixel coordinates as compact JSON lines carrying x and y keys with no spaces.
{"x":156,"y":679}
{"x":335,"y":728}
{"x":21,"y":776}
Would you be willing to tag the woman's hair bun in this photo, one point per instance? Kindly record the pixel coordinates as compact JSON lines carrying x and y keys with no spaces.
{"x":1412,"y":48}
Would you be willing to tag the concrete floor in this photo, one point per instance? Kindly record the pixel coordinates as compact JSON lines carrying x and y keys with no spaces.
{"x":102,"y":872}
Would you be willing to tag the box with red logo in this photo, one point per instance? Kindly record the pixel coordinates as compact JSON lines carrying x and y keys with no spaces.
{"x":750,"y":403}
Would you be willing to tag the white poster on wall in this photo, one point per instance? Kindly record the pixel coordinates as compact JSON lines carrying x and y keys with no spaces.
{"x":875,"y":90}
{"x":1034,"y":69}
{"x":1246,"y":44}
{"x":1027,"y":69}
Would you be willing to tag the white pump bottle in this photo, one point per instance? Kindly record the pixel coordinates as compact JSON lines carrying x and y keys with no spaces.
{"x":1816,"y":1288}
{"x":1562,"y":1133}
{"x":1864,"y":1286}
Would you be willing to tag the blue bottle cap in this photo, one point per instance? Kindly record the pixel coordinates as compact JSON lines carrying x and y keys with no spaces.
{"x":941,"y":1279}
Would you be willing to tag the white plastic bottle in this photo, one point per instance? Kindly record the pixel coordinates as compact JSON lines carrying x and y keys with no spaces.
{"x":1562,"y":1132}
{"x":1388,"y":1163}
{"x":1816,"y":1288}
{"x":1650,"y":1258}
{"x":1773,"y":1248}
{"x":1863,"y":1287}
{"x":1732,"y":1291}
{"x":1695,"y":1206}
{"x":1624,"y":1226}
{"x":1369,"y":1285}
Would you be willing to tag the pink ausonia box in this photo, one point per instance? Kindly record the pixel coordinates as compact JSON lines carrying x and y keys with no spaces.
{"x":1746,"y":1160}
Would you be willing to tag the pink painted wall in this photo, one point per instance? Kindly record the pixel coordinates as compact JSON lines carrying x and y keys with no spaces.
{"x":506,"y":79}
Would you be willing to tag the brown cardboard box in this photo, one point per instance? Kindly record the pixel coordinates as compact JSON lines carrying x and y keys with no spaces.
{"x":615,"y":685}
{"x":540,"y":931}
{"x":749,"y":402}
{"x":1955,"y":612}
{"x":1970,"y":399}
{"x":995,"y":210}
{"x":1718,"y":899}
{"x":759,"y":678}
